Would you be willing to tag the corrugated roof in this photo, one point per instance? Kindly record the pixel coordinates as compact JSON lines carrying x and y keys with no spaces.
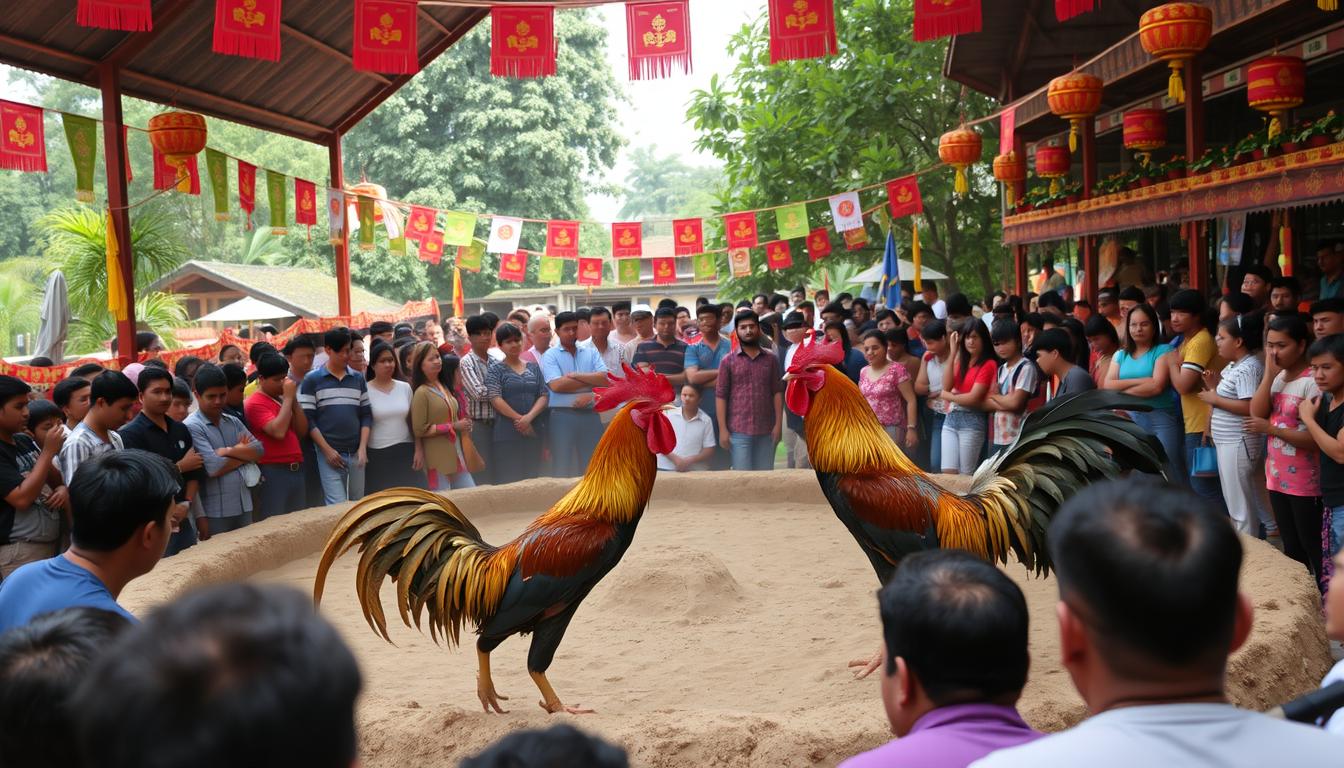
{"x":306,"y":292}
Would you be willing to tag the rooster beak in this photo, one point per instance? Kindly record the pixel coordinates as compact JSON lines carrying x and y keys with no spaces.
{"x":789,"y":377}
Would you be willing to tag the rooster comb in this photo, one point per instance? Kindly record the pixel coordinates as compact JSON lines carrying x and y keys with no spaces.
{"x":814,"y":350}
{"x":637,"y":385}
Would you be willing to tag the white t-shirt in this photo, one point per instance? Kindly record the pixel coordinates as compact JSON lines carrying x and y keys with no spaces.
{"x":935,"y":368}
{"x":1335,"y":724}
{"x":1176,"y":735}
{"x":1239,"y":382}
{"x":939,"y":309}
{"x":693,"y":436}
{"x":389,"y":415}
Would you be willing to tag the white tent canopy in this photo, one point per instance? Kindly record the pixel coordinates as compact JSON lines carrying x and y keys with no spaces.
{"x":244,"y":310}
{"x":873,"y":274}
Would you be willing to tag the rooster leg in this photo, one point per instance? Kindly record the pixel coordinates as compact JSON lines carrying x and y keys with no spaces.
{"x":485,"y":686}
{"x":550,"y":701}
{"x":868,"y":665}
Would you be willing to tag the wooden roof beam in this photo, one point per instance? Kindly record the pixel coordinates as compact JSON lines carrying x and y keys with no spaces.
{"x":332,"y":51}
{"x":1024,"y":35}
{"x":222,"y":107}
{"x":135,"y":42}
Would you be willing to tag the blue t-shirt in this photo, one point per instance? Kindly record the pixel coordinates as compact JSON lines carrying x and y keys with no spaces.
{"x":51,"y":585}
{"x":1141,"y":367}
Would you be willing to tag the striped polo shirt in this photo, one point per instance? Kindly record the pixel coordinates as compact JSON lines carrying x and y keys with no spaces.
{"x":336,"y":407}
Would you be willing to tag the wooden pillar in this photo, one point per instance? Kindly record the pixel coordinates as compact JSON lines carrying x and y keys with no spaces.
{"x":1020,"y":270}
{"x":1194,"y":148}
{"x":342,"y":249}
{"x":1091,"y":269}
{"x":1087,"y":245}
{"x":114,"y":154}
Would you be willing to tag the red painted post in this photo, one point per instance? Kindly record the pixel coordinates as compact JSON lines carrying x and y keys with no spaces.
{"x":343,"y":249}
{"x":1194,"y":148}
{"x":114,"y":153}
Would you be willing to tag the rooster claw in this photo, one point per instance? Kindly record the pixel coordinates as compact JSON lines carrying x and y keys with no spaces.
{"x":556,"y":707}
{"x":490,"y":699}
{"x":868,"y":665}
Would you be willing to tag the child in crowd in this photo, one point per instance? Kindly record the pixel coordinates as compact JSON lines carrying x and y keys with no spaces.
{"x":1324,"y":418}
{"x":1018,"y":381}
{"x":1240,"y":454}
{"x":929,"y":384}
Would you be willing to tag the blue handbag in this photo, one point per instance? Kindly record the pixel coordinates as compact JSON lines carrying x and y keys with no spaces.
{"x":1204,"y":463}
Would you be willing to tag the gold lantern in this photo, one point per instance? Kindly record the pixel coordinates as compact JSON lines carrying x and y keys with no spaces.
{"x":1074,"y":97}
{"x":1176,"y":33}
{"x":960,"y":148}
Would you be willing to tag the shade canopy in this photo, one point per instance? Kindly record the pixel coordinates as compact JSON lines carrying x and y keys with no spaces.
{"x":246,"y":310}
{"x":873,"y":274}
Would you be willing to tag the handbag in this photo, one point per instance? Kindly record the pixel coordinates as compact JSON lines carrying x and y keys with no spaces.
{"x":470,"y":455}
{"x":1204,"y":462}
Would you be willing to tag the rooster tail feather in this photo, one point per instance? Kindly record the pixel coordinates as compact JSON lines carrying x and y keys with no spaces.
{"x":430,"y":550}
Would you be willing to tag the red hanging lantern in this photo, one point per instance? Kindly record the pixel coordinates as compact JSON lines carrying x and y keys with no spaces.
{"x":1176,"y":33}
{"x":960,"y":148}
{"x":1276,"y":84}
{"x":1145,"y":130}
{"x":1053,"y":163}
{"x":1074,"y":97}
{"x":178,"y":136}
{"x":1012,"y":171}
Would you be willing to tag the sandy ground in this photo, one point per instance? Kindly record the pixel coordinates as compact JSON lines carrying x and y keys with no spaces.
{"x":720,"y":640}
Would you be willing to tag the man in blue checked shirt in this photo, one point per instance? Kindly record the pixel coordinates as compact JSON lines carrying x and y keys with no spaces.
{"x":571,"y":371}
{"x":335,"y":400}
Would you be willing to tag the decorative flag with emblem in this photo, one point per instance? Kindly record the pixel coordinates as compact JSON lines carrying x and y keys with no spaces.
{"x":165,"y":175}
{"x":688,"y":236}
{"x":778,"y":255}
{"x":903,"y":196}
{"x":801,"y":29}
{"x":551,"y":269}
{"x":627,"y":271}
{"x":791,"y":221}
{"x":277,"y":198}
{"x":846,"y":211}
{"x":366,"y":208}
{"x":818,"y":244}
{"x":706,"y":267}
{"x":889,"y":290}
{"x":305,"y":202}
{"x":385,"y":37}
{"x":856,"y":238}
{"x":459,"y":228}
{"x":944,"y":18}
{"x":431,"y":247}
{"x":505,"y":232}
{"x":739,"y":261}
{"x":562,"y":239}
{"x":1007,"y":129}
{"x":23,"y":143}
{"x":248,"y":28}
{"x":247,"y":191}
{"x":513,"y":266}
{"x":125,"y":15}
{"x":590,"y":272}
{"x":740,"y":229}
{"x":335,"y":216}
{"x":459,"y":299}
{"x":627,"y":239}
{"x":420,"y":223}
{"x":658,"y":39}
{"x":471,"y":257}
{"x":81,"y":134}
{"x":396,"y":246}
{"x":664,"y":270}
{"x":522,"y":40}
{"x":217,"y":168}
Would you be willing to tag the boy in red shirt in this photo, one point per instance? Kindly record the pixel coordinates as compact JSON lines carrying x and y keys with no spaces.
{"x":277,"y":420}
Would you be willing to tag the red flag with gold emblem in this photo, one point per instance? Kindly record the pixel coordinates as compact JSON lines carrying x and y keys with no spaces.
{"x":385,"y":37}
{"x":627,"y":239}
{"x":778,"y":255}
{"x":664,"y":270}
{"x":943,"y":18}
{"x":247,"y":190}
{"x":856,"y":238}
{"x":522,"y":41}
{"x":305,"y":204}
{"x":590,"y":272}
{"x":562,"y":239}
{"x":420,"y":223}
{"x":818,"y":244}
{"x":903,"y":195}
{"x":165,"y":175}
{"x":689,"y":236}
{"x":513,"y":266}
{"x":23,"y":143}
{"x":431,"y":246}
{"x":740,"y":229}
{"x":125,"y":15}
{"x":248,"y":28}
{"x":658,"y":38}
{"x":801,"y":29}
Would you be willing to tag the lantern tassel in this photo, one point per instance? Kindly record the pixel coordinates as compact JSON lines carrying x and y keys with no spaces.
{"x":960,"y":186}
{"x":1275,"y":125}
{"x":1073,"y":136}
{"x":1175,"y":86}
{"x":1328,"y":5}
{"x":1144,"y":158}
{"x":1010,"y":193}
{"x":183,"y":176}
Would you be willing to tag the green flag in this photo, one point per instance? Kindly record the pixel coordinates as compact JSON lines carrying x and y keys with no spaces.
{"x":397,"y":246}
{"x":792,"y":221}
{"x":365,"y":223}
{"x":277,"y":199}
{"x":81,"y":133}
{"x":706,"y":270}
{"x":628,"y":271}
{"x":469,"y":256}
{"x":217,"y":168}
{"x":459,"y":228}
{"x":551,"y":270}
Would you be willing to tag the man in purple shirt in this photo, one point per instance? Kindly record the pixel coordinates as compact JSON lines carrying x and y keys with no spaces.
{"x":955,"y":631}
{"x":749,"y":397}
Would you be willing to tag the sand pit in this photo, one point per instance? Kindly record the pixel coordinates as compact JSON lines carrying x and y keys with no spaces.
{"x":720,"y":640}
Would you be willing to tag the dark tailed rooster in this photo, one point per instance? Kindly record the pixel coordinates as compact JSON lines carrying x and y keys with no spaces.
{"x":535,"y":583}
{"x":892,"y":508}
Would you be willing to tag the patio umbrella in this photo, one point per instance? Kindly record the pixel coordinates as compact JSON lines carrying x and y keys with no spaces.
{"x":55,"y":319}
{"x":245,"y":310}
{"x":874,"y":273}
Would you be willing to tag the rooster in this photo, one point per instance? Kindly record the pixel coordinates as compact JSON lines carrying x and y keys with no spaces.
{"x":535,"y":583}
{"x":892,"y":508}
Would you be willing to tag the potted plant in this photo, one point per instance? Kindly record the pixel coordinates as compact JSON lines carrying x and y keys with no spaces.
{"x":1318,"y":132}
{"x":1244,"y":152}
{"x":1174,"y":168}
{"x":1073,"y":192}
{"x":1206,"y":162}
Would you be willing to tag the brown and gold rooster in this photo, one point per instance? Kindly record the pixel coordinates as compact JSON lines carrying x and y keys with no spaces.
{"x":892,"y":508}
{"x":535,"y":583}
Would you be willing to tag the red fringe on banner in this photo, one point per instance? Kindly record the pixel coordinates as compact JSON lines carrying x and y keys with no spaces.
{"x":248,"y":28}
{"x":124,"y":15}
{"x":385,"y":37}
{"x":801,"y":29}
{"x":522,"y":41}
{"x":1067,"y":9}
{"x":941,"y":18}
{"x":658,"y":39}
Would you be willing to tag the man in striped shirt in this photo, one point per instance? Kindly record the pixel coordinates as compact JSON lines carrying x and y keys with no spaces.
{"x":111,"y":397}
{"x":475,"y":367}
{"x":335,"y":400}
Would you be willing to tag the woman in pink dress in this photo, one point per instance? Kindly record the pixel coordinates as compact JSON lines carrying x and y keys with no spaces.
{"x":888,"y":389}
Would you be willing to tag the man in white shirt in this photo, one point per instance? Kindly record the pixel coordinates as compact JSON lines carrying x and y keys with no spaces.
{"x":695,"y":435}
{"x":624,"y":332}
{"x":930,"y":296}
{"x":1149,"y":611}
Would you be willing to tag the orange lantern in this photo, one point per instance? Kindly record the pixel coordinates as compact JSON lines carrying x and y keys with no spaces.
{"x":1275,"y":84}
{"x":178,"y":136}
{"x":1176,"y":33}
{"x":1074,"y":97}
{"x":1053,"y":163}
{"x":1145,"y":130}
{"x":960,"y":148}
{"x":1010,"y":170}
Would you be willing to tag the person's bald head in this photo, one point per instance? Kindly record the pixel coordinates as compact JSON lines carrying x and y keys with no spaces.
{"x":539,"y":332}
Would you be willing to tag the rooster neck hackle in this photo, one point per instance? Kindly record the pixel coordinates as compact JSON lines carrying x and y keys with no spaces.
{"x":619,"y":478}
{"x":844,"y":435}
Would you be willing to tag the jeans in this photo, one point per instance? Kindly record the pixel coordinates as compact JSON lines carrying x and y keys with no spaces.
{"x":963,"y":440}
{"x":220,"y":525}
{"x":1336,"y":532}
{"x":482,"y":436}
{"x":1167,"y":426}
{"x":1208,"y":488}
{"x":344,"y":484}
{"x":185,"y":538}
{"x":574,"y":433}
{"x":934,"y":438}
{"x":282,"y":490}
{"x":753,"y":453}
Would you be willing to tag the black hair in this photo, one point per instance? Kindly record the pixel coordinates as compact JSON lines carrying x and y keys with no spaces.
{"x":665,"y":312}
{"x":42,"y":663}
{"x":896,"y":336}
{"x":1055,"y":340}
{"x":958,"y":304}
{"x":1292,"y":324}
{"x":275,"y":364}
{"x":1332,"y":345}
{"x":599,"y":311}
{"x":155,"y":363}
{"x":959,"y":623}
{"x":259,"y":349}
{"x":559,"y":746}
{"x":111,"y":386}
{"x":12,"y":387}
{"x":749,"y":315}
{"x":934,"y":330}
{"x":86,"y":369}
{"x":181,"y":389}
{"x":681,"y":309}
{"x":1131,"y":347}
{"x":844,"y":332}
{"x":299,"y":342}
{"x":1239,"y":302}
{"x":667,"y":303}
{"x":762,"y":296}
{"x":744,"y":304}
{"x":835,"y":308}
{"x":506,"y":332}
{"x":619,"y":306}
{"x":150,"y":375}
{"x":41,"y":361}
{"x":1035,"y":320}
{"x":883,"y":314}
{"x":874,"y":334}
{"x":918,"y":307}
{"x":1051,"y":299}
{"x":1006,"y":330}
{"x":1291,"y":283}
{"x":336,"y":339}
{"x":1125,"y":543}
{"x":187,"y":365}
{"x":1250,"y":328}
{"x":584,"y":314}
{"x":844,"y":295}
{"x":476,"y":324}
{"x":38,"y":412}
{"x":1259,"y":270}
{"x":143,"y":340}
{"x":1100,"y":326}
{"x":806,"y":304}
{"x":1132,"y":293}
{"x":379,"y":327}
{"x":973,"y":325}
{"x":565,"y":317}
{"x":491,"y":318}
{"x":707,"y":309}
{"x":450,"y":365}
{"x":234,"y":374}
{"x":226,"y":347}
{"x":1078,"y":337}
{"x":114,"y":494}
{"x":209,"y":377}
{"x":1333,"y":304}
{"x":859,"y":302}
{"x":376,"y":351}
{"x":221,"y":662}
{"x":65,"y":389}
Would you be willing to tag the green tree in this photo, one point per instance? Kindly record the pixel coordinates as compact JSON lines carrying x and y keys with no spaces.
{"x":658,"y":185}
{"x":807,"y":129}
{"x":20,"y":299}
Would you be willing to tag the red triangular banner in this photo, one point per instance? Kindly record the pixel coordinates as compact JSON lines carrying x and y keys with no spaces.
{"x":23,"y":142}
{"x":247,"y":191}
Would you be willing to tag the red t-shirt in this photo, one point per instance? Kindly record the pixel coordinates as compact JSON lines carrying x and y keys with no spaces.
{"x":260,"y":409}
{"x":984,"y":373}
